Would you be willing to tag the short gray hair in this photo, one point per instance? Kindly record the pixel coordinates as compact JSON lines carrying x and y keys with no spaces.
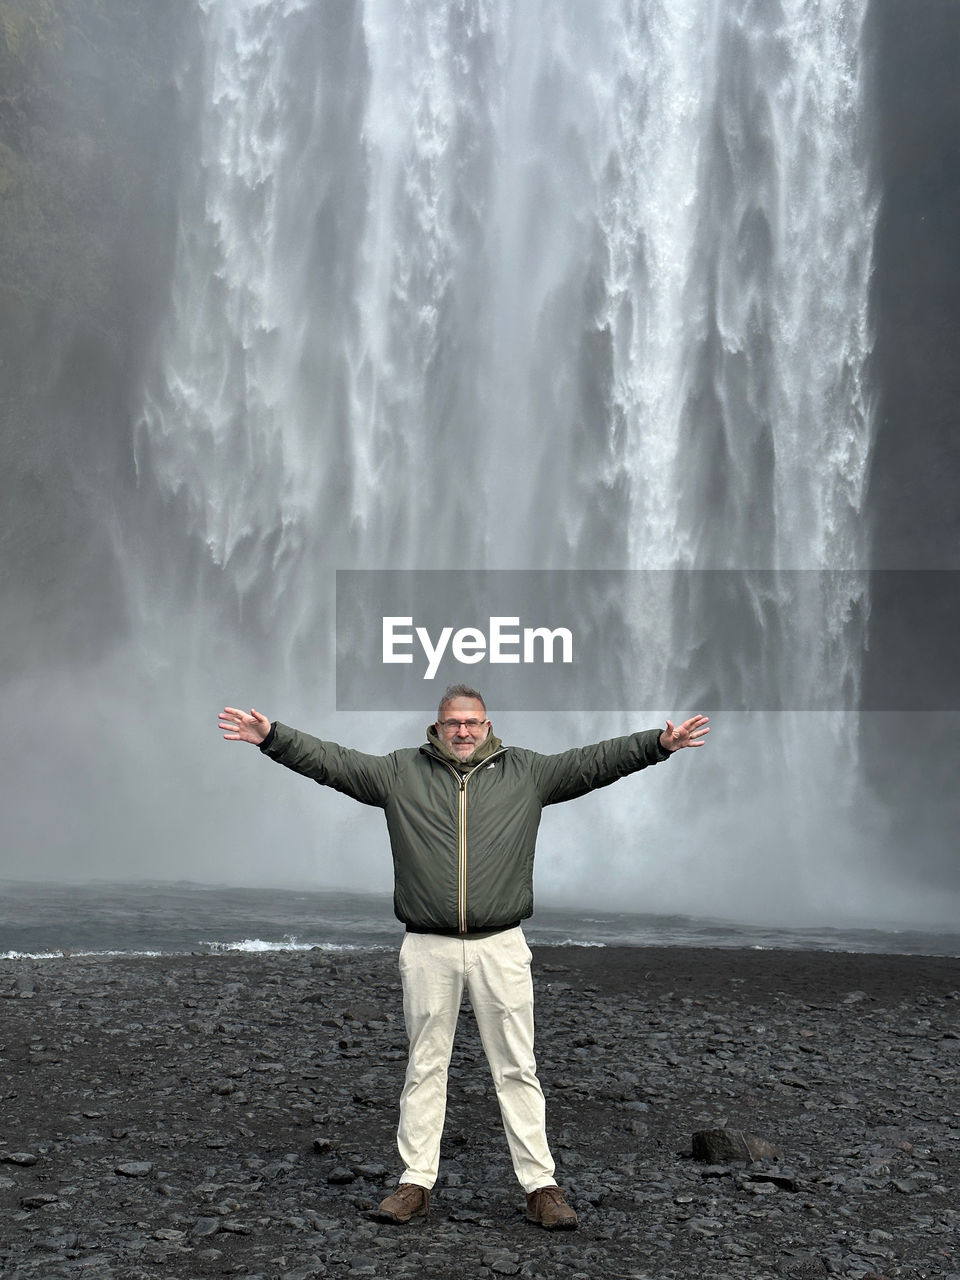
{"x":460,"y":691}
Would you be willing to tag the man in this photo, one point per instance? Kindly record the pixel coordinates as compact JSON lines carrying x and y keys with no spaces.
{"x":462,"y":813}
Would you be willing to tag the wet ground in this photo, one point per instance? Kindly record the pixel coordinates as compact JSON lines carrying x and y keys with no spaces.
{"x":195,"y":1116}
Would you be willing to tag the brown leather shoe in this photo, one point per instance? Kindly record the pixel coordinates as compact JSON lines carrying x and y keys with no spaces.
{"x":408,"y":1201}
{"x":547,"y":1207}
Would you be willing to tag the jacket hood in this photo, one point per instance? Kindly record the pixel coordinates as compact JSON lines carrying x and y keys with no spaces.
{"x":488,"y":747}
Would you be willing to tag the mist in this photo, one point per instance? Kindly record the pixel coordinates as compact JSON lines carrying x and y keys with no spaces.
{"x":290,"y":288}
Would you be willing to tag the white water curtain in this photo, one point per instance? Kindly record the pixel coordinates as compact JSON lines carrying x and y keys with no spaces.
{"x":487,"y":284}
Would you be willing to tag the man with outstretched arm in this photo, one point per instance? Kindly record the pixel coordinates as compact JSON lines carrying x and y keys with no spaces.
{"x":462,"y":813}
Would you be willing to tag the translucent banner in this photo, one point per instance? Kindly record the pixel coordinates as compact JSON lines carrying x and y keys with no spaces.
{"x":704,"y":640}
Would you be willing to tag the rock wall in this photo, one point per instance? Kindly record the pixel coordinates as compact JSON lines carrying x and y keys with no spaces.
{"x":916,"y":476}
{"x":913,"y":759}
{"x":89,"y":130}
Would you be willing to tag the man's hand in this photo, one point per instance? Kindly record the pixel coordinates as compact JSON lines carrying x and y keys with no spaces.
{"x":689,"y":734}
{"x":244,"y":726}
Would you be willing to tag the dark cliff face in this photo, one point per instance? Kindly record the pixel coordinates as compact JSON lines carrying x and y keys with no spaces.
{"x":88,"y":146}
{"x":914,"y":498}
{"x":914,"y":501}
{"x":89,"y":133}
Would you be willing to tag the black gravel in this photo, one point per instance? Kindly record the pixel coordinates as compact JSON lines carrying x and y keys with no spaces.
{"x":194,"y":1116}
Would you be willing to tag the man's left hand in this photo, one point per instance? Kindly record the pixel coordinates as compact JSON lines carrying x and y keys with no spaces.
{"x":689,"y":734}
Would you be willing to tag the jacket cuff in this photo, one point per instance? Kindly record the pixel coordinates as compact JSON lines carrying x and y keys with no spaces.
{"x":268,"y":740}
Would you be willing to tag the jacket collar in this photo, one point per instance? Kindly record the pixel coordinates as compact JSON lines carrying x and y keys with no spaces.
{"x":490,"y":745}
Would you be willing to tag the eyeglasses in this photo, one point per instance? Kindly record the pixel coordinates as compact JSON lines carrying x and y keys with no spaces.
{"x":448,"y":726}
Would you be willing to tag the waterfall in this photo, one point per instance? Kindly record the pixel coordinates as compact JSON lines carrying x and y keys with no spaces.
{"x":497,"y":285}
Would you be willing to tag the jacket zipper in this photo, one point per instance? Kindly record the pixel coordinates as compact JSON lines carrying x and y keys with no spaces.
{"x":462,"y":780}
{"x":462,"y":854}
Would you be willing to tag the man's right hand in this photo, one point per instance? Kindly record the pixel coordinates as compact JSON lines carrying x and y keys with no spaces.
{"x":244,"y":726}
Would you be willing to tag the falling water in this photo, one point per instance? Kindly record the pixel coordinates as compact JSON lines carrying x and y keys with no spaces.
{"x":482,"y":284}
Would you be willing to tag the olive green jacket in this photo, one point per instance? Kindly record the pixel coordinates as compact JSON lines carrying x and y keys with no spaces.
{"x":463,"y":835}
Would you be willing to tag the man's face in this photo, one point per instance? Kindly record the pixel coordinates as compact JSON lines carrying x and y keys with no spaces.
{"x":463,"y":726}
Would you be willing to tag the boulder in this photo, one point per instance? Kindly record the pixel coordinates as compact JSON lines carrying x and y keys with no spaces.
{"x":726,"y":1146}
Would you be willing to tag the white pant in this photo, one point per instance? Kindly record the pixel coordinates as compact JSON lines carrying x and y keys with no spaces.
{"x":496,"y":972}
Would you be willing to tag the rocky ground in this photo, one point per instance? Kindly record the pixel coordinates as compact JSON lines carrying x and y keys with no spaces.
{"x":193,"y":1116}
